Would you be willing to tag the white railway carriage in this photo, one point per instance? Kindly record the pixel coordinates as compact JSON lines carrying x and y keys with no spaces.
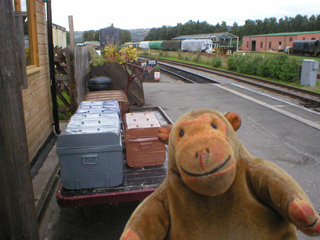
{"x":144,"y":45}
{"x":197,"y":45}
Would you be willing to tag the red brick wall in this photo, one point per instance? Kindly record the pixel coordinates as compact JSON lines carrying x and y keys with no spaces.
{"x":268,"y":43}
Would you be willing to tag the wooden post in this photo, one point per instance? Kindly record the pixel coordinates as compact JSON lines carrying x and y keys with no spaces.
{"x":17,"y":208}
{"x":71,"y":69}
{"x":71,"y":31}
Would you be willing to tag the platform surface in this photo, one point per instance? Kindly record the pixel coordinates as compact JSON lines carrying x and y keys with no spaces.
{"x":274,"y":130}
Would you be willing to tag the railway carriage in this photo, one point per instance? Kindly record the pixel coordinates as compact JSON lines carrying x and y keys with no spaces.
{"x":189,"y":45}
{"x":311,"y":47}
{"x":155,"y":44}
{"x":171,"y":45}
{"x":144,"y":45}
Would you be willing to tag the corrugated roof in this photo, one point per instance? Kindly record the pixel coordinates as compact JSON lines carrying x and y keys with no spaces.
{"x":281,"y":34}
{"x":206,"y":36}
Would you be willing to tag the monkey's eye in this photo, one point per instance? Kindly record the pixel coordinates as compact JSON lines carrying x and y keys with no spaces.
{"x":214,"y":126}
{"x":181,"y":133}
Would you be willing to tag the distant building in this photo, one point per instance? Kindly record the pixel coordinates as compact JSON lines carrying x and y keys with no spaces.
{"x":223,"y":39}
{"x":275,"y":41}
{"x":59,"y":35}
{"x":110,"y":35}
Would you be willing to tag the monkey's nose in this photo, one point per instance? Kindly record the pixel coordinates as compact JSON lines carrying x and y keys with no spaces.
{"x":204,"y":152}
{"x":202,"y":157}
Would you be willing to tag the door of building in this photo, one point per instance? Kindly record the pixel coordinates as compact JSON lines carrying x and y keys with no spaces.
{"x":253,"y":46}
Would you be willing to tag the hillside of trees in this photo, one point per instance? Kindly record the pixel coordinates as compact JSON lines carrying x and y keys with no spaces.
{"x":298,"y":23}
{"x":138,"y":35}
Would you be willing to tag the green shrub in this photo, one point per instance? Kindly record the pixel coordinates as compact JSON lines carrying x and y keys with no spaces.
{"x":249,"y":65}
{"x":232,"y":63}
{"x":279,"y":67}
{"x":289,"y":71}
{"x":196,"y":58}
{"x":216,"y":62}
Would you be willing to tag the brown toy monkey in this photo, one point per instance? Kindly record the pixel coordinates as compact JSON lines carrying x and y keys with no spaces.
{"x":216,"y":190}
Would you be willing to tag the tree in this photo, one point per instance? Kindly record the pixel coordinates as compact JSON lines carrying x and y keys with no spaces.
{"x":312,"y":23}
{"x":189,"y":28}
{"x":125,"y":36}
{"x":270,"y":25}
{"x":317,"y":24}
{"x":284,"y":25}
{"x":248,"y":28}
{"x":299,"y":23}
{"x":224,"y":27}
{"x":88,"y":35}
{"x":97,"y":36}
{"x":259,"y":28}
{"x":236,"y":30}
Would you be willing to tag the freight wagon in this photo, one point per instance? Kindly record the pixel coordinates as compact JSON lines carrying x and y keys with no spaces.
{"x":155,"y":44}
{"x":195,"y":45}
{"x":171,"y":45}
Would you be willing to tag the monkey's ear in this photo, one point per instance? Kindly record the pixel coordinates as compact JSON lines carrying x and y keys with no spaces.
{"x":164,"y":132}
{"x":234,"y":119}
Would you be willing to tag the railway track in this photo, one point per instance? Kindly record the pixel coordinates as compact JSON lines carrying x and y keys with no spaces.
{"x":186,"y":76}
{"x":306,"y":98}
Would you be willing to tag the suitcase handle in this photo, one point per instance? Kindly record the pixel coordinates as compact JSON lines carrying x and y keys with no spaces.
{"x":90,"y":159}
{"x":146,"y":145}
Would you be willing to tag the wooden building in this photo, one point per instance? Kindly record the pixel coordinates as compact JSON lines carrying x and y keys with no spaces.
{"x":275,"y":41}
{"x":36,"y":85}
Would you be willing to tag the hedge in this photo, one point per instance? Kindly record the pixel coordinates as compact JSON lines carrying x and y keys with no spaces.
{"x":279,"y":66}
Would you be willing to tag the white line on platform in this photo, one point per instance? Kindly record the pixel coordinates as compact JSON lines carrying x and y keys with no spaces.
{"x":274,"y":108}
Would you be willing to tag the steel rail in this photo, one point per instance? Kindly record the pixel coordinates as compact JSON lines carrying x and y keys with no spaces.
{"x":242,"y":77}
{"x":186,"y":75}
{"x":308,"y":99}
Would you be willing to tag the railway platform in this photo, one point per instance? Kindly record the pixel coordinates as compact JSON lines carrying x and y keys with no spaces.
{"x":272,"y":129}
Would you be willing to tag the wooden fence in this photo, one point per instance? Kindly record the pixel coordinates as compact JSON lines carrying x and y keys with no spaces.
{"x":72,"y":76}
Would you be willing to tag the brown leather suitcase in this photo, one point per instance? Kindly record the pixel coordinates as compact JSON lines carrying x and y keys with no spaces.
{"x":118,"y":95}
{"x":140,"y":137}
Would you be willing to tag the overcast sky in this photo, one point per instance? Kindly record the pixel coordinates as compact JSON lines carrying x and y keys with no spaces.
{"x":97,"y":14}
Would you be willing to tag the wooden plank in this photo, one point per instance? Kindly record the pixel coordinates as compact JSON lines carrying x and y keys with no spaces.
{"x":119,"y":81}
{"x":71,"y":32}
{"x":82,"y":58}
{"x":36,"y":108}
{"x":33,"y":33}
{"x":60,"y":68}
{"x":34,"y":96}
{"x":19,"y":20}
{"x":44,"y":115}
{"x":18,"y":213}
{"x":61,"y":77}
{"x":59,"y":55}
{"x":72,"y":81}
{"x":65,"y":102}
{"x":39,"y":137}
{"x":17,"y":5}
{"x":71,"y":69}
